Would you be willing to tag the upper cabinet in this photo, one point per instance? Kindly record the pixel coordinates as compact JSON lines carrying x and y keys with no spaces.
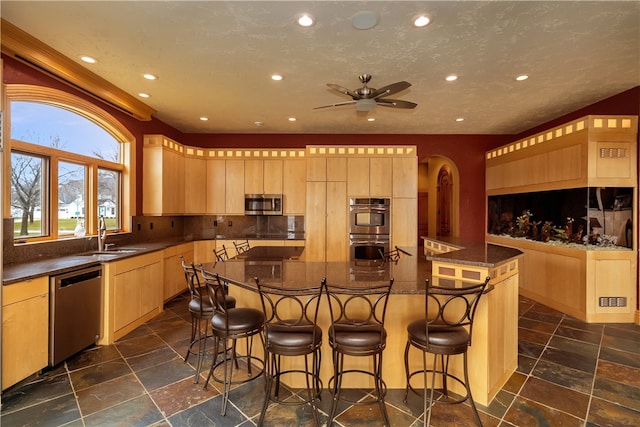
{"x":163,"y":176}
{"x":195,"y":183}
{"x":593,"y":151}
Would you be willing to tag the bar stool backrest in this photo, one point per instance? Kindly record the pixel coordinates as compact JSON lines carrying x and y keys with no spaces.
{"x":193,"y":282}
{"x":221,"y":254}
{"x":449,"y":307}
{"x":217,"y":291}
{"x":242,"y":246}
{"x":358,"y":308}
{"x":290,"y":308}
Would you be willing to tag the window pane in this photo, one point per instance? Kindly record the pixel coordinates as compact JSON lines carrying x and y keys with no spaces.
{"x":59,"y":128}
{"x":27,"y":195}
{"x":109,"y":197}
{"x":72,"y":190}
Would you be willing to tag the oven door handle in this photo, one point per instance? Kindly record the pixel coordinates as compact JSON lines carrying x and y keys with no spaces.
{"x":372,"y":242}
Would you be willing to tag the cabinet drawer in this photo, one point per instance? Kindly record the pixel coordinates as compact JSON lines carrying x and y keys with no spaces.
{"x":24,"y":290}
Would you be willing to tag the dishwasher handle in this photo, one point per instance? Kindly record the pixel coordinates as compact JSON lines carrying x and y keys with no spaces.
{"x":76,"y":277}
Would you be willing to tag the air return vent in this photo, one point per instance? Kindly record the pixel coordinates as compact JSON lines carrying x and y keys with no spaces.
{"x":613,"y":301}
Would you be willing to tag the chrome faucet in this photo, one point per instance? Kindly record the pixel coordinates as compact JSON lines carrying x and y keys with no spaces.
{"x":102,"y":234}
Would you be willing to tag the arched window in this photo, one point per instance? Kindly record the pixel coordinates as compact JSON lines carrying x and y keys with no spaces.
{"x":70,"y":164}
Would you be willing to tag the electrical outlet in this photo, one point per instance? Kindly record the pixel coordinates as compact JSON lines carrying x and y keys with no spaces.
{"x":230,"y":223}
{"x":150,"y":226}
{"x":215,"y":223}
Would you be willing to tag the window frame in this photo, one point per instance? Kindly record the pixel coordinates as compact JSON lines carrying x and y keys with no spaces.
{"x":88,"y":110}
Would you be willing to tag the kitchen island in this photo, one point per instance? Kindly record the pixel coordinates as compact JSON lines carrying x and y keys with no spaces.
{"x":493,"y":355}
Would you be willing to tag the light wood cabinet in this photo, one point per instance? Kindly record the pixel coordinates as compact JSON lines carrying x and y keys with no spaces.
{"x":358,"y":176}
{"x":234,"y":187}
{"x":195,"y":184}
{"x":163,"y":176}
{"x":216,"y":186}
{"x":337,"y":222}
{"x":405,"y":177}
{"x":133,"y":294}
{"x":370,"y":176}
{"x":404,"y":222}
{"x":294,"y":186}
{"x":173,"y":277}
{"x":315,"y":221}
{"x":25,"y":329}
{"x":263,"y":176}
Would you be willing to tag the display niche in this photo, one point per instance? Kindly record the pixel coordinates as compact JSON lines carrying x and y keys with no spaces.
{"x":596,"y":217}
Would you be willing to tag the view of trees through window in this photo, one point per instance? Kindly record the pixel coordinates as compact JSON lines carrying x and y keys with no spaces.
{"x":57,"y":153}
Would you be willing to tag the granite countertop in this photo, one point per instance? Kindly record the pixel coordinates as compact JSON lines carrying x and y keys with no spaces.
{"x":287,"y":267}
{"x":475,"y":253}
{"x":263,"y":236}
{"x":12,"y":273}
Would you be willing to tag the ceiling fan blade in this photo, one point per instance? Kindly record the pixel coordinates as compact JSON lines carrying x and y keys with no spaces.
{"x":343,"y":90}
{"x":336,"y":104}
{"x":396,"y":103}
{"x":390,"y":89}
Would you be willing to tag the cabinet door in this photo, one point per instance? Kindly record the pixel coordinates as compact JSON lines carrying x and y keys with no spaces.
{"x":294,"y":187}
{"x":317,"y":169}
{"x":272,"y":177}
{"x":405,"y":177}
{"x":380,"y":176}
{"x":404,"y":222}
{"x":172,"y":182}
{"x":234,"y":188}
{"x":127,"y":297}
{"x":315,"y":221}
{"x":150,"y":287}
{"x":216,"y":183}
{"x":253,"y":177}
{"x":25,"y":330}
{"x":195,"y":174}
{"x":358,"y":176}
{"x":337,"y":227}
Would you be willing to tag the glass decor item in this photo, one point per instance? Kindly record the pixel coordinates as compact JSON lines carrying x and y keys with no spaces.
{"x":79,"y":231}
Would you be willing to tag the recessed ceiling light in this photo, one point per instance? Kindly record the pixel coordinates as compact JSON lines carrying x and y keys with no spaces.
{"x":144,"y":95}
{"x":371,"y":119}
{"x":522,"y":77}
{"x":292,"y":119}
{"x":204,"y":119}
{"x":258,"y":123}
{"x":364,"y":20}
{"x":460,"y":119}
{"x":306,"y":20}
{"x":150,"y":77}
{"x":421,"y":21}
{"x":277,"y":77}
{"x":88,"y":59}
{"x":451,"y":78}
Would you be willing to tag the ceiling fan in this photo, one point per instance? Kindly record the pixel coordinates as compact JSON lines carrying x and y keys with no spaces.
{"x":366,"y":98}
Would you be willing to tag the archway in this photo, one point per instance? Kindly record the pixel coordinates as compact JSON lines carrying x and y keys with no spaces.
{"x":432,"y":172}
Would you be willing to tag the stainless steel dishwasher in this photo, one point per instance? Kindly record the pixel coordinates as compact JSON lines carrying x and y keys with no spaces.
{"x":75,"y":307}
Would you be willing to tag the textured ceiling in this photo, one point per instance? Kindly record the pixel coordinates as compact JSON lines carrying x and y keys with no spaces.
{"x":215,"y":58}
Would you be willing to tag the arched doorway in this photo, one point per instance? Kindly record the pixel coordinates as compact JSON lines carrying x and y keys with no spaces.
{"x":445,"y":203}
{"x":438,"y":198}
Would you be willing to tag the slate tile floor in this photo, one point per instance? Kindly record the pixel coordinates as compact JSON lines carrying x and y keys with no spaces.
{"x":569,"y":374}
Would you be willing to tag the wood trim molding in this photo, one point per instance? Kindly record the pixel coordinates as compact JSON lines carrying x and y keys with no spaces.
{"x":24,"y":47}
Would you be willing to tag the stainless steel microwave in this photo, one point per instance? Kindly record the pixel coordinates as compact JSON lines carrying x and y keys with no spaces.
{"x":263,"y":204}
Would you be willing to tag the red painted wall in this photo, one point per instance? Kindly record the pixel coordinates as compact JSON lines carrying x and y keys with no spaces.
{"x":466,"y":151}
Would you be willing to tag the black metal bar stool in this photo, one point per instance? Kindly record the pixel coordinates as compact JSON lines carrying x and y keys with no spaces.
{"x":201,"y":312}
{"x":291,"y":330}
{"x":357,"y":329}
{"x":242,"y":247}
{"x":231,"y":324}
{"x":446,"y":331}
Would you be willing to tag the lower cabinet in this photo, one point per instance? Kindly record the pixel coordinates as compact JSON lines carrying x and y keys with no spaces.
{"x":133,"y":294}
{"x":173,"y":278}
{"x":25,"y":329}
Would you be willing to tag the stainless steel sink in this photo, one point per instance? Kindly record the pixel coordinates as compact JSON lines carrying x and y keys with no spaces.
{"x":117,"y":251}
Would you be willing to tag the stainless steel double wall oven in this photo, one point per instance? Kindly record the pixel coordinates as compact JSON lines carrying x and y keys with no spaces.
{"x":369,"y":227}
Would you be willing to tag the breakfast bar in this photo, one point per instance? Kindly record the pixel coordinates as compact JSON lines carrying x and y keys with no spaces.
{"x":493,"y":355}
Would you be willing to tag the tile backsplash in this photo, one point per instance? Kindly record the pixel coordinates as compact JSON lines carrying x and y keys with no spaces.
{"x":156,"y":228}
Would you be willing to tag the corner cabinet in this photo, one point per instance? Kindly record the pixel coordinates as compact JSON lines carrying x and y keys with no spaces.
{"x":25,"y":329}
{"x":562,"y":197}
{"x":163,"y":176}
{"x":173,"y":278}
{"x":133,"y":294}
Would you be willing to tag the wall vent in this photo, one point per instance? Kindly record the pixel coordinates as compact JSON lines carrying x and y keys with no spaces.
{"x":613,"y":301}
{"x":613,"y":153}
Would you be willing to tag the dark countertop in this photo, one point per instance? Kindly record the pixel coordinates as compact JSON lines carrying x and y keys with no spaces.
{"x":263,"y":236}
{"x":480,"y":254}
{"x":286,"y":267}
{"x":13,"y":273}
